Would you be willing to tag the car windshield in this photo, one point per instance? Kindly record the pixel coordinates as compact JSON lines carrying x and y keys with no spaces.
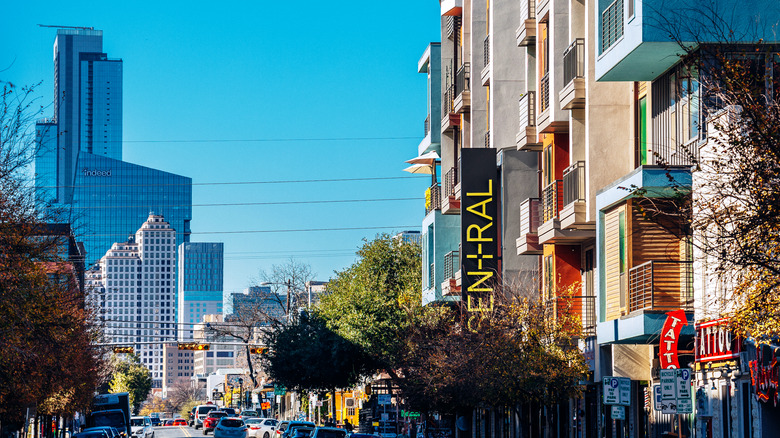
{"x":302,"y":431}
{"x":92,"y":434}
{"x":252,"y":421}
{"x":217,"y":414}
{"x":232,"y":422}
{"x":331,"y":434}
{"x":206,"y":409}
{"x":271,"y":422}
{"x":136,"y":421}
{"x":249,"y":413}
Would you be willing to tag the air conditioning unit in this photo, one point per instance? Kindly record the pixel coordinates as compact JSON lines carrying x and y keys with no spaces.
{"x":349,"y":402}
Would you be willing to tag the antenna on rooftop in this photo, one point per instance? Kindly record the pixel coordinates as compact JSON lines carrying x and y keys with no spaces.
{"x":66,"y":27}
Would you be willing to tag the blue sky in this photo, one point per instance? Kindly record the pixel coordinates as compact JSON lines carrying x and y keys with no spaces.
{"x":260,"y":71}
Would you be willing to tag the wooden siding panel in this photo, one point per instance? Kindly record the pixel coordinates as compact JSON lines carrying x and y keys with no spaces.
{"x":612,"y":262}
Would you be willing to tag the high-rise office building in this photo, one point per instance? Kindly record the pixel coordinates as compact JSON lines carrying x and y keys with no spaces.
{"x":200,"y":272}
{"x":134,"y":289}
{"x":78,"y":164}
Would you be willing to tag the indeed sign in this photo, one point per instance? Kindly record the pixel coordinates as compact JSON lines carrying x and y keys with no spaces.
{"x":96,"y":172}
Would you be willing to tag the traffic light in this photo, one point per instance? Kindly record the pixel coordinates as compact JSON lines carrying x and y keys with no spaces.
{"x":258,"y":350}
{"x":192,"y":346}
{"x":128,"y":350}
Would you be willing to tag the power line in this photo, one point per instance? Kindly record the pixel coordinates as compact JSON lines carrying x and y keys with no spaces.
{"x":407,"y":227}
{"x":236,"y":204}
{"x":273,"y":140}
{"x":378,"y":178}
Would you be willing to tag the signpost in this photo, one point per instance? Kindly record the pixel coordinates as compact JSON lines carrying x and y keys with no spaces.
{"x":617,"y":391}
{"x":618,"y":412}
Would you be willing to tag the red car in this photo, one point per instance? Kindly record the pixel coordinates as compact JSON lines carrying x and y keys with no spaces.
{"x":179,"y":422}
{"x":210,"y":422}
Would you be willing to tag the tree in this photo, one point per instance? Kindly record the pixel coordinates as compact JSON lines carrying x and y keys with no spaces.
{"x":132,"y":377}
{"x":155,"y":404}
{"x":307,"y":356}
{"x":267,"y":308}
{"x":43,"y":320}
{"x":376,"y":300}
{"x":181,"y":393}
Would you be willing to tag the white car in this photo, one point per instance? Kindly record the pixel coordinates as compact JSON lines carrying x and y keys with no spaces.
{"x":261,"y":427}
{"x":230,"y":427}
{"x":141,"y":427}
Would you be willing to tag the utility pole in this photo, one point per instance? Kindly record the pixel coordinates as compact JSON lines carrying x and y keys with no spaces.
{"x":288,"y":300}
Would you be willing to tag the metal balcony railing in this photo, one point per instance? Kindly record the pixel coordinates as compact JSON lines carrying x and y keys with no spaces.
{"x":581,"y":307}
{"x":450,"y":181}
{"x":527,"y":9}
{"x":574,"y":183}
{"x":574,"y":61}
{"x":451,"y":264}
{"x":527,"y":111}
{"x":661,"y":285}
{"x":427,"y":125}
{"x":452,"y":27}
{"x":552,"y":199}
{"x":529,"y":216}
{"x":463,"y":78}
{"x":486,"y":50}
{"x":431,"y":275}
{"x":448,"y":100}
{"x":611,"y":24}
{"x":544,"y":96}
{"x":433,"y":198}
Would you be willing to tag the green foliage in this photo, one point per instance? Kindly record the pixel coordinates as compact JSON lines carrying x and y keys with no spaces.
{"x":306,"y":355}
{"x":374,"y":302}
{"x":186,"y":408}
{"x":132,"y":377}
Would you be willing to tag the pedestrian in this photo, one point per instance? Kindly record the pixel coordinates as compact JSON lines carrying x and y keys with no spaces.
{"x":348,"y":426}
{"x":329,"y":422}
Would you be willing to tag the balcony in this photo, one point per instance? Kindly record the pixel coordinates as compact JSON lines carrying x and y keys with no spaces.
{"x":581,"y":308}
{"x":527,"y":138}
{"x":462,"y":100}
{"x":451,"y":7}
{"x":575,"y":208}
{"x":486,"y":59}
{"x":528,"y":242}
{"x":432,"y":198}
{"x":550,"y":230}
{"x":526,"y":33}
{"x":450,"y":203}
{"x":661,"y":286}
{"x":451,"y":286}
{"x":572,"y":95}
{"x":450,"y":120}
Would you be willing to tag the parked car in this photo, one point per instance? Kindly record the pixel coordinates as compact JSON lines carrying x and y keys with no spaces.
{"x":329,"y":432}
{"x":231,"y":412}
{"x":210,"y":422}
{"x":156,"y":421}
{"x":301,"y":431}
{"x":200,"y":412}
{"x":179,"y":422}
{"x":141,"y":427}
{"x":249,"y":414}
{"x":111,"y":431}
{"x":230,"y":427}
{"x":281,"y":427}
{"x":292,"y":425}
{"x":261,"y":427}
{"x":92,"y":434}
{"x":168,"y":423}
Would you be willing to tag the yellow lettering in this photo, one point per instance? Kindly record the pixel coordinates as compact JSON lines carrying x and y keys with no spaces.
{"x":489,"y":192}
{"x":469,"y":323}
{"x":486,"y":275}
{"x":479,"y":307}
{"x":474,"y":208}
{"x":479,"y":233}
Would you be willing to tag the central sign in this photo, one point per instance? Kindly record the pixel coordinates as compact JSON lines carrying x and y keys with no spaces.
{"x":479,"y":233}
{"x":670,"y":335}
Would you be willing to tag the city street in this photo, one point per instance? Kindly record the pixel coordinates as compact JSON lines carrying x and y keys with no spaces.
{"x":176,"y":432}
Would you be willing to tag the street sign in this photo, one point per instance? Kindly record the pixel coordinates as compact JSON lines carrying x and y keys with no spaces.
{"x":280,"y":390}
{"x":384,"y":399}
{"x":611,"y":392}
{"x":684,"y":383}
{"x":624,"y":386}
{"x":265,"y":405}
{"x":668,"y":384}
{"x":618,"y":412}
{"x":617,"y":391}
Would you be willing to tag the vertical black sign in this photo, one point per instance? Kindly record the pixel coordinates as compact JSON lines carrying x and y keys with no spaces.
{"x":479,"y":233}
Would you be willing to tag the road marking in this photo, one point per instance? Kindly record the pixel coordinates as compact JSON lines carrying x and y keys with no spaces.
{"x":186,"y":432}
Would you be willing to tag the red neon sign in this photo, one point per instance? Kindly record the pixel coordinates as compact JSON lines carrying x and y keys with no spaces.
{"x":670,"y":334}
{"x":714,"y":341}
{"x":765,"y":377}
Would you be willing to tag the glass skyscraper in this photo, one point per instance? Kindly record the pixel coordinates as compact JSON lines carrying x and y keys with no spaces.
{"x":78,"y":167}
{"x":200,"y":272}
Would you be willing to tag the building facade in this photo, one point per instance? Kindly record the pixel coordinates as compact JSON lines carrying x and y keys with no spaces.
{"x":221,"y":352}
{"x":133,"y":287}
{"x":80,"y":177}
{"x":178,"y":367}
{"x":200,"y":285}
